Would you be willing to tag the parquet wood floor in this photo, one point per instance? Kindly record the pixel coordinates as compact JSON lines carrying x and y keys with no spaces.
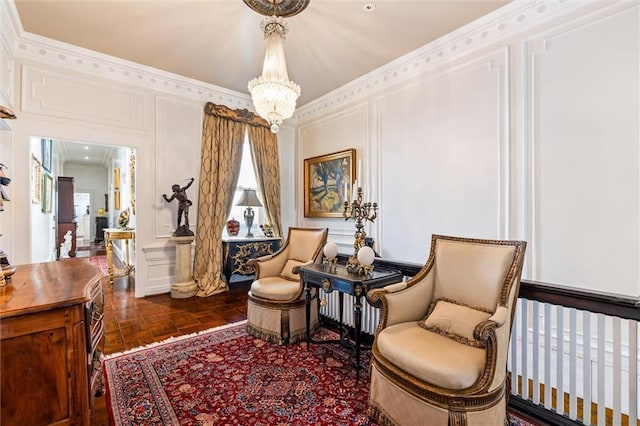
{"x":131,"y":322}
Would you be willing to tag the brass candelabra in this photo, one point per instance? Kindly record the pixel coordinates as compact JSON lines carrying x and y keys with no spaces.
{"x":361,"y":212}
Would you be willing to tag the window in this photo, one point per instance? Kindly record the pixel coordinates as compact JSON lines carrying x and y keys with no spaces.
{"x":246,"y":179}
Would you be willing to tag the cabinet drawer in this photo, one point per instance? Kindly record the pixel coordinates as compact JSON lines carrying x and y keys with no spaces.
{"x":329,"y":283}
{"x":94,"y":313}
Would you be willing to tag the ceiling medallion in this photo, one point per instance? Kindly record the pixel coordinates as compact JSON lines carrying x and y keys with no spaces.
{"x":283,"y":8}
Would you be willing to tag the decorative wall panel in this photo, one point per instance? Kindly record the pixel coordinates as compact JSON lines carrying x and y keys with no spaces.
{"x":444,"y":157}
{"x":333,"y":133}
{"x":67,"y":96}
{"x":178,"y":142}
{"x":584,"y":218}
{"x":6,"y":77}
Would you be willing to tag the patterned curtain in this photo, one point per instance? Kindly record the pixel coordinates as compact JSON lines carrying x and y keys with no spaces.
{"x":264,"y":151}
{"x":222,"y":139}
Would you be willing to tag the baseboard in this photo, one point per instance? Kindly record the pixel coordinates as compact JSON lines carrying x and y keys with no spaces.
{"x":540,"y":415}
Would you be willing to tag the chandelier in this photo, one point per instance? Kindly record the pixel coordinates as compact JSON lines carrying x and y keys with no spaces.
{"x":274,"y":95}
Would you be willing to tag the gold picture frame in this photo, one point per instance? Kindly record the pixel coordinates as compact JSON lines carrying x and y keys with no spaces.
{"x":132,"y":180}
{"x":36,"y":180}
{"x":47,"y":193}
{"x":327,"y":183}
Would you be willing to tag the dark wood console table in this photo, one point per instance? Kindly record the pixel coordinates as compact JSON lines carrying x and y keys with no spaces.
{"x":337,"y":278}
{"x":237,"y":251}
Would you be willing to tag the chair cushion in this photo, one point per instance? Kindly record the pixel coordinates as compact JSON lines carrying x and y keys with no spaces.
{"x":455,"y":321}
{"x":287,"y":270}
{"x":275,"y":288}
{"x":431,"y":357}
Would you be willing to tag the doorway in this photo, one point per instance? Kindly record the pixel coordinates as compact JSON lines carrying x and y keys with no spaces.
{"x":82,"y":210}
{"x":93,"y":169}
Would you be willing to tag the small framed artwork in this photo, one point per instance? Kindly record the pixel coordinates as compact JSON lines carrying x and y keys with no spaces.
{"x":116,"y":178}
{"x":116,"y":200}
{"x":47,"y":146}
{"x":47,"y":193}
{"x":327,"y":183}
{"x":132,"y":181}
{"x":36,"y":180}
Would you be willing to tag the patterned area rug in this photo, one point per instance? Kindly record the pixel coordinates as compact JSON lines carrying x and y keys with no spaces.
{"x":100,"y":262}
{"x":224,"y":376}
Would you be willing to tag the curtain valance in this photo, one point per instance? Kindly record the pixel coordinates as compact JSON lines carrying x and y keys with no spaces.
{"x":238,"y":115}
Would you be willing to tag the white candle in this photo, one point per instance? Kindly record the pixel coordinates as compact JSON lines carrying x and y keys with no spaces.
{"x":346,"y":193}
{"x":359,"y":175}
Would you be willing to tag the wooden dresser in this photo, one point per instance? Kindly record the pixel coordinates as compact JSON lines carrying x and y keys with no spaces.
{"x":52,"y":337}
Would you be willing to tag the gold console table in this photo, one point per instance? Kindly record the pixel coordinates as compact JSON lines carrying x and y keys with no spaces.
{"x":127,"y":235}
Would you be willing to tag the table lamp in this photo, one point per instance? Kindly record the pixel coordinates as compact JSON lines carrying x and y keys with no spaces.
{"x":249,"y":198}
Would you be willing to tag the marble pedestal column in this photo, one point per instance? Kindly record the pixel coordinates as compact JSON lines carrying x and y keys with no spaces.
{"x":184,"y":285}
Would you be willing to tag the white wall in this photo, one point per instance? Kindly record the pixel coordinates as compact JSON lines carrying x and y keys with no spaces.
{"x":71,"y":94}
{"x":522,"y":125}
{"x":583,"y":158}
{"x":43,"y":235}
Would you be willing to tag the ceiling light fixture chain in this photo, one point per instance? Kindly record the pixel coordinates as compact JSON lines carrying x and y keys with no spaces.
{"x":274,"y":24}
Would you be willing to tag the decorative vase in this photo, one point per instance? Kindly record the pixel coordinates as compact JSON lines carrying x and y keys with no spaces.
{"x":233,"y":227}
{"x":267,"y":229}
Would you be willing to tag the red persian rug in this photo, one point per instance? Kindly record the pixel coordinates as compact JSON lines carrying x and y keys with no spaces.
{"x":100,"y":262}
{"x":226,"y":377}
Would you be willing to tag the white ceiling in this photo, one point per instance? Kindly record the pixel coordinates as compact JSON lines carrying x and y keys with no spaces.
{"x":85,"y":154}
{"x":330,"y":43}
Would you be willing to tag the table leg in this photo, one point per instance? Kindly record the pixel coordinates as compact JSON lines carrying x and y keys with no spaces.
{"x":126,"y":248}
{"x":307,"y":311}
{"x":357,"y":319}
{"x":109,"y":246}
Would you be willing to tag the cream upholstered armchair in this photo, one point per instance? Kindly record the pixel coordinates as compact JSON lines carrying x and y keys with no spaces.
{"x":440,"y":350}
{"x":275,"y":307}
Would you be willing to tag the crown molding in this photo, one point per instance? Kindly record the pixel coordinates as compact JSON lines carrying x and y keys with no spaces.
{"x":35,"y":48}
{"x":11,"y":24}
{"x":498,"y":26}
{"x":489,"y":30}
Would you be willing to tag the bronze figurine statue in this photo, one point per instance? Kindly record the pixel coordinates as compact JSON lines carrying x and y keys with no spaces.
{"x":180,"y":194}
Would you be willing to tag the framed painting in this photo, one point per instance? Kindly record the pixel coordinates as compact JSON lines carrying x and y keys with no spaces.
{"x":47,"y":193}
{"x":36,"y":180}
{"x":116,"y":177}
{"x":327,"y":183}
{"x":47,"y":146}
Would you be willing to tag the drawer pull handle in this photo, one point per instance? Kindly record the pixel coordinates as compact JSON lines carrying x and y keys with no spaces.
{"x":326,"y":284}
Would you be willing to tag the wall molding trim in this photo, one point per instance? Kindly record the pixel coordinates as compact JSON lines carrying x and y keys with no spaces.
{"x":510,"y":20}
{"x":32,"y":47}
{"x":489,"y":30}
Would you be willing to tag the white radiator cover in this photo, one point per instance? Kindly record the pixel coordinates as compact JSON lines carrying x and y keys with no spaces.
{"x":370,"y":314}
